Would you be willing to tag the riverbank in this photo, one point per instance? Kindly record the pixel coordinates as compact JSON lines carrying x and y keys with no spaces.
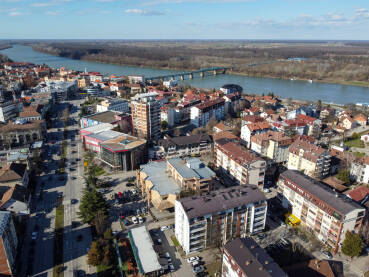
{"x":231,"y":72}
{"x":6,"y":46}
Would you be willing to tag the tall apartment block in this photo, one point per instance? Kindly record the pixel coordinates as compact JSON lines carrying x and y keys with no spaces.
{"x":8,"y":244}
{"x":325,"y":212}
{"x":219,"y":216}
{"x":146,"y":115}
{"x":202,"y":113}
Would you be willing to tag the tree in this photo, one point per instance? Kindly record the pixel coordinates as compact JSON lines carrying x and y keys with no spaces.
{"x":108,"y":255}
{"x":108,"y":235}
{"x":91,"y":203}
{"x":94,"y":255}
{"x":352,"y":245}
{"x":210,"y":125}
{"x":100,"y":222}
{"x":355,"y":136}
{"x":164,"y":125}
{"x":344,"y":175}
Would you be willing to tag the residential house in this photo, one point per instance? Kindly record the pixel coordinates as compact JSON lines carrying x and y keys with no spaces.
{"x":251,"y":129}
{"x":16,"y":200}
{"x":359,"y":171}
{"x":361,"y":119}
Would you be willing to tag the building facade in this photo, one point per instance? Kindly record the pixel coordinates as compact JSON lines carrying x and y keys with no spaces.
{"x":8,"y":244}
{"x":215,"y":218}
{"x":314,"y":160}
{"x":115,"y":105}
{"x":146,"y":116}
{"x":240,"y":164}
{"x":326,"y":213}
{"x":202,"y":113}
{"x":360,"y":170}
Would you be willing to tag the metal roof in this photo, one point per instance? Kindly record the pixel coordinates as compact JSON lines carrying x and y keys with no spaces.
{"x":191,"y":167}
{"x":105,"y":135}
{"x":98,"y":128}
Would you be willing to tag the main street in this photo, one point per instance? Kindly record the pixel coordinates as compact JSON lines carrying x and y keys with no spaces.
{"x":37,"y":255}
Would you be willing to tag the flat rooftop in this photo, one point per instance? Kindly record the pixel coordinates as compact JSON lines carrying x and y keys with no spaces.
{"x":123,"y":142}
{"x":221,"y":200}
{"x":98,"y":128}
{"x":191,"y":168}
{"x":104,"y":117}
{"x":105,"y":135}
{"x":142,"y":245}
{"x":157,"y":173}
{"x":337,"y":201}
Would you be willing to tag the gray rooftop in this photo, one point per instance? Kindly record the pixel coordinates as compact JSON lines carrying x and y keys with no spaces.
{"x":146,"y":254}
{"x":103,"y":117}
{"x":252,"y":259}
{"x":221,"y":200}
{"x":191,"y":167}
{"x":4,"y":218}
{"x":157,"y":173}
{"x":336,"y":200}
{"x":98,"y":128}
{"x":105,"y":135}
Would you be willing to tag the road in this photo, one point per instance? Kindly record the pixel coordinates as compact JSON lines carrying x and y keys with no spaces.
{"x":37,"y":255}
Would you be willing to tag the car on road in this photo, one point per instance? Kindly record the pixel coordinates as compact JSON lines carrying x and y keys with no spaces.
{"x":261,"y":236}
{"x":192,"y":259}
{"x":140,"y":219}
{"x":266,"y":190}
{"x":129,"y":185}
{"x":195,"y":264}
{"x":198,"y":269}
{"x":327,"y":254}
{"x":134,"y":220}
{"x":163,"y":228}
{"x":34,"y":235}
{"x":126,"y":222}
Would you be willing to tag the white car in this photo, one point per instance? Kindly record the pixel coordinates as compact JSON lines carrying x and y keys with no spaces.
{"x":163,"y":228}
{"x":140,"y":219}
{"x":34,"y":235}
{"x":192,"y":259}
{"x":266,"y":190}
{"x":171,"y":267}
{"x":134,"y":220}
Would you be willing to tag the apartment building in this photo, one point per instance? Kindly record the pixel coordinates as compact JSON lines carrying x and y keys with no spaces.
{"x":274,"y":145}
{"x":8,"y":244}
{"x":116,"y":105}
{"x":8,"y":109}
{"x":360,"y":170}
{"x":162,"y":181}
{"x":185,"y":146}
{"x":239,"y":163}
{"x":251,"y":129}
{"x":202,"y":113}
{"x":243,"y":257}
{"x":327,"y":213}
{"x":313,"y":160}
{"x":213,"y":219}
{"x":146,"y":115}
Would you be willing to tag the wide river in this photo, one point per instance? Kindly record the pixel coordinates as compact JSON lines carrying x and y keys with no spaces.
{"x":329,"y":93}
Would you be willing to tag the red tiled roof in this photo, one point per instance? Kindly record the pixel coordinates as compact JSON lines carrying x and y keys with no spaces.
{"x":358,"y":194}
{"x":258,"y":126}
{"x":238,"y":153}
{"x":312,"y":152}
{"x":306,"y":119}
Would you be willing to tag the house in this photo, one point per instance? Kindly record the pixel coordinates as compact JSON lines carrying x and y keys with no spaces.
{"x":361,"y":119}
{"x":359,"y":194}
{"x":13,"y":174}
{"x":16,"y":199}
{"x":326,"y":213}
{"x":220,"y":127}
{"x":316,"y":268}
{"x":243,"y":166}
{"x":360,"y":170}
{"x":251,"y":129}
{"x":213,"y":219}
{"x":310,"y":158}
{"x":231,"y":100}
{"x":243,"y":257}
{"x":347,"y":123}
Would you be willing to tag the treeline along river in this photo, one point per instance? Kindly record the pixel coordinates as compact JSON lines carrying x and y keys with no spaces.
{"x":329,"y":93}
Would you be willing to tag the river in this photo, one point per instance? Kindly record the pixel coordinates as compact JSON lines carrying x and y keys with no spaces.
{"x":329,"y":93}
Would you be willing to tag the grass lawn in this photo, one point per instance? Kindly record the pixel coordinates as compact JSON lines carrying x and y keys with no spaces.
{"x":214,"y":267}
{"x":175,"y":241}
{"x":58,"y":242}
{"x":359,"y":154}
{"x":355,"y":143}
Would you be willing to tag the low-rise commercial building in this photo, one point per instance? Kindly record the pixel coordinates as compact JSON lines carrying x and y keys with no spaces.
{"x":123,"y":152}
{"x":162,"y":181}
{"x":215,"y":218}
{"x":92,"y":141}
{"x":313,"y":160}
{"x":240,"y":164}
{"x":328,"y":214}
{"x":243,"y":257}
{"x":98,"y":118}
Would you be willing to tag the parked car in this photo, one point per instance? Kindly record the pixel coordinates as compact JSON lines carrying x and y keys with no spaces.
{"x":192,"y":259}
{"x":200,"y":268}
{"x":195,"y":264}
{"x":134,"y":220}
{"x":266,"y":190}
{"x":140,"y":219}
{"x":171,"y":267}
{"x":163,"y":228}
{"x":261,"y":236}
{"x":34,"y":235}
{"x":327,"y":254}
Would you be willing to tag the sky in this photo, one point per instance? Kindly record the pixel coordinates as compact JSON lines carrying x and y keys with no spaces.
{"x":185,"y":19}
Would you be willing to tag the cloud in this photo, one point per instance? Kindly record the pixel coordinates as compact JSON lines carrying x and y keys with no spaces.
{"x":361,"y":13}
{"x":43,"y":4}
{"x":53,"y":13}
{"x":159,"y":2}
{"x":15,"y":13}
{"x":144,"y":12}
